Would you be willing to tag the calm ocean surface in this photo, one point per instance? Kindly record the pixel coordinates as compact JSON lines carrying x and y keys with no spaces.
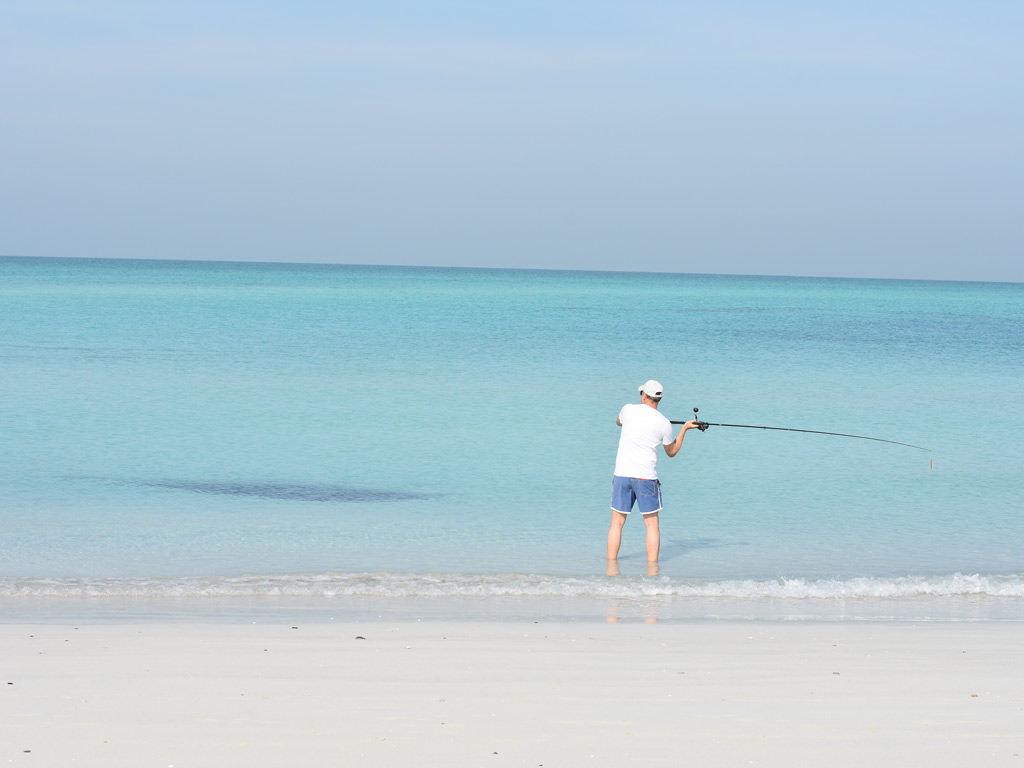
{"x":174,"y":432}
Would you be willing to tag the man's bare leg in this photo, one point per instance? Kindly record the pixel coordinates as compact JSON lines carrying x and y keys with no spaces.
{"x":615,"y":534}
{"x":653,"y":537}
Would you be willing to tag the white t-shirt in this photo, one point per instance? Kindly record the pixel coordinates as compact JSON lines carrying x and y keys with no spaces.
{"x":643,"y":430}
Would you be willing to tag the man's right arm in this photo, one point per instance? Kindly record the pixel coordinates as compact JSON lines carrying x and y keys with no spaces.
{"x":673,"y":448}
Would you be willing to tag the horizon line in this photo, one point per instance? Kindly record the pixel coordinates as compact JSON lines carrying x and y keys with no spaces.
{"x":494,"y":268}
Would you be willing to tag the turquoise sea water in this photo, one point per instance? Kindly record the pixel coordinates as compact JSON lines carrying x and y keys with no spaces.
{"x":170,"y":430}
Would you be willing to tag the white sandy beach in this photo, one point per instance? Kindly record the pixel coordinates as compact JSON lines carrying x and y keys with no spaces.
{"x":524,"y":694}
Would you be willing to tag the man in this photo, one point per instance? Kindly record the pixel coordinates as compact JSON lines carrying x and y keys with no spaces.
{"x":636,"y":473}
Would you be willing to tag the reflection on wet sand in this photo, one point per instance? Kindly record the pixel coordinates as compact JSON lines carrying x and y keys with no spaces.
{"x":613,"y":611}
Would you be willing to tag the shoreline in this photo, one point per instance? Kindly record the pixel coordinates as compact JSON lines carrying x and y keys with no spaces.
{"x":195,"y":609}
{"x":401,"y":692}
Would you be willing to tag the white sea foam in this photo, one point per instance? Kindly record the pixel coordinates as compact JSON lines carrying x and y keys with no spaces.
{"x":401,"y":585}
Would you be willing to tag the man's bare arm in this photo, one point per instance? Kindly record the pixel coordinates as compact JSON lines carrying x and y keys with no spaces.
{"x":673,"y":448}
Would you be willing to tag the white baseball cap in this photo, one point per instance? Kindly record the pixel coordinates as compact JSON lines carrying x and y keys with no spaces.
{"x":651,"y":388}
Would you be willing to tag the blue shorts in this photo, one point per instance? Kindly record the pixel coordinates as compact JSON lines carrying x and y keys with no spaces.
{"x":626,"y":490}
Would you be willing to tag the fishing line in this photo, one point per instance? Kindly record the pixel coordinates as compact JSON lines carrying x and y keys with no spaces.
{"x":703,"y":425}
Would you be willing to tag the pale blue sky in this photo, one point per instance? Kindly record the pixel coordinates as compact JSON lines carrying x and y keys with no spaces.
{"x":876,"y":140}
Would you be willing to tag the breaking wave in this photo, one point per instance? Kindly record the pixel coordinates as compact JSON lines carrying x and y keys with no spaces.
{"x":402,"y":585}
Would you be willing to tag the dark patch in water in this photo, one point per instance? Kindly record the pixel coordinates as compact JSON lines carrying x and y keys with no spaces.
{"x":337,"y":493}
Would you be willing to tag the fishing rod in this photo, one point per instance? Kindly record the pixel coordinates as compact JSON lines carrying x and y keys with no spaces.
{"x":703,"y":425}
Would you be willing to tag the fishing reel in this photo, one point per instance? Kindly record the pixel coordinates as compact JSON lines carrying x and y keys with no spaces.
{"x":701,"y":425}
